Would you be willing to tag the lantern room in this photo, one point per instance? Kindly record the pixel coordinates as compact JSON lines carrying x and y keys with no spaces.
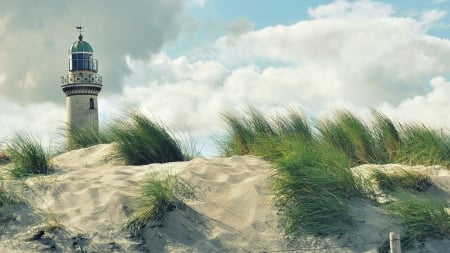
{"x":81,"y":56}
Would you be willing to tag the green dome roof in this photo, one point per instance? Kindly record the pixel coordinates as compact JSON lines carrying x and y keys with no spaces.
{"x":80,"y":46}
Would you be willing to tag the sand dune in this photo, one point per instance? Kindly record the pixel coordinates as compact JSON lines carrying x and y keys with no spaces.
{"x":90,"y":196}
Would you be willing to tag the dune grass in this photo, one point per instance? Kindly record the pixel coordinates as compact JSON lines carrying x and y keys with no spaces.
{"x":240,"y":136}
{"x":312,"y":190}
{"x":313,"y":182}
{"x":380,"y":141}
{"x":402,"y":180}
{"x":423,"y":215}
{"x":142,"y":141}
{"x":28,"y":156}
{"x":349,"y":134}
{"x":82,"y":138}
{"x":387,"y":138}
{"x":157,"y":197}
{"x":254,"y":133}
{"x":423,"y":145}
{"x":139,"y":140}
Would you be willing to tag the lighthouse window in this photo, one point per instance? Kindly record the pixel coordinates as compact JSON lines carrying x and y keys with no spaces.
{"x":91,"y":104}
{"x":81,"y":61}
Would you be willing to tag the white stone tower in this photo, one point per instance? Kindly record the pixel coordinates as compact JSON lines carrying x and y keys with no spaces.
{"x":81,"y":86}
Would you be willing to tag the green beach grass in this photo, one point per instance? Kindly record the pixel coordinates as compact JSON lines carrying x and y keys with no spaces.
{"x":142,"y":141}
{"x":401,"y":180}
{"x":28,"y":156}
{"x":313,"y":183}
{"x":423,"y":145}
{"x":423,"y":215}
{"x":158,"y":195}
{"x":82,"y":138}
{"x":139,"y":140}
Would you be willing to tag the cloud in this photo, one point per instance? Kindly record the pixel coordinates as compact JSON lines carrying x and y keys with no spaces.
{"x":430,"y":17}
{"x":35,"y":38}
{"x":430,"y":109}
{"x":315,"y":65}
{"x":184,"y":95}
{"x":345,"y":9}
{"x":386,"y":58}
{"x":237,"y":28}
{"x":200,"y":3}
{"x":354,"y":54}
{"x":44,"y":120}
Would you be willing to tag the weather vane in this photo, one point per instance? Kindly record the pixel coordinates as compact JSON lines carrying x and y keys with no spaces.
{"x":79,"y":28}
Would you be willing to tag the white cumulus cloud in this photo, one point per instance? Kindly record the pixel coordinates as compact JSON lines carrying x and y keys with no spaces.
{"x":353,"y":54}
{"x":431,"y":109}
{"x":382,"y":61}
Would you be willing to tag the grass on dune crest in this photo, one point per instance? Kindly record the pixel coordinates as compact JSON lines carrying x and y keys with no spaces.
{"x":250,"y":134}
{"x":142,"y":141}
{"x":313,"y":182}
{"x":387,"y":138}
{"x":350,"y":135}
{"x":423,"y":145}
{"x":139,"y":140}
{"x":28,"y":156}
{"x":379,"y":142}
{"x":82,"y":138}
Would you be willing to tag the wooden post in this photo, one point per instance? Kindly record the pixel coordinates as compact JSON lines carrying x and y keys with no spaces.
{"x":394,"y":242}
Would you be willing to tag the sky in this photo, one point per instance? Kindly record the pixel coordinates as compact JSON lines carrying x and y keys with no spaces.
{"x":186,"y":62}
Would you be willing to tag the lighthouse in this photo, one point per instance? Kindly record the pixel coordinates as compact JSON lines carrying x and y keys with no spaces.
{"x":82,"y":85}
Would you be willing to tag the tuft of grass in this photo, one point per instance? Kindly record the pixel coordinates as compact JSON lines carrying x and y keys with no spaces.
{"x":157,"y":197}
{"x":28,"y":157}
{"x":387,"y":138}
{"x":423,"y":215}
{"x":312,"y":189}
{"x":82,"y":138}
{"x":254,"y":133}
{"x":293,"y":125}
{"x":239,"y":137}
{"x":348,"y":133}
{"x":423,"y":145}
{"x":141,"y":141}
{"x":404,"y":180}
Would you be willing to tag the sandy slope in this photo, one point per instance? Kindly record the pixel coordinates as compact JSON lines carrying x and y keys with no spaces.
{"x":90,"y":196}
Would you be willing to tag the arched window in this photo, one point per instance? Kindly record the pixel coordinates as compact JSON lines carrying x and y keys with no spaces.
{"x":91,"y":104}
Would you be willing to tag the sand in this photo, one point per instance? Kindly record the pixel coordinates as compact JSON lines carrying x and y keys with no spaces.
{"x":83,"y":206}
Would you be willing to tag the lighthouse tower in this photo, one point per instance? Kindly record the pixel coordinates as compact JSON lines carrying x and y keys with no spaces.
{"x":81,"y":86}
